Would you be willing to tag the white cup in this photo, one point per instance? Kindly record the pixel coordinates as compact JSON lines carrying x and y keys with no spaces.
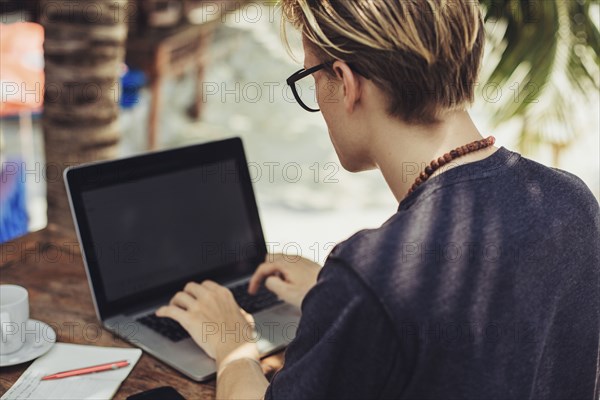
{"x":14,"y":314}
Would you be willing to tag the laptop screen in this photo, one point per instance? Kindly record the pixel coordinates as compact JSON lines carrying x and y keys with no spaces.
{"x":151,"y":223}
{"x":168,"y":227}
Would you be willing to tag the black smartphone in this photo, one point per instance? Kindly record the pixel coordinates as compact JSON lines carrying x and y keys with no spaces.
{"x":161,"y":393}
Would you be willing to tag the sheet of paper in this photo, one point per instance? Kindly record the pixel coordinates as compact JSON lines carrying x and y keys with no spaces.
{"x":64,"y":357}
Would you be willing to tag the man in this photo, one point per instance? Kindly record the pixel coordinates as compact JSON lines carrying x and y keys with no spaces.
{"x":485,"y":282}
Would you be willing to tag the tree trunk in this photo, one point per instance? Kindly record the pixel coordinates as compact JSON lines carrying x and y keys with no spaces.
{"x":83,"y":50}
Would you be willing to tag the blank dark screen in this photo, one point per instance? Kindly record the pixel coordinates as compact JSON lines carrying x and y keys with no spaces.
{"x":162,"y":229}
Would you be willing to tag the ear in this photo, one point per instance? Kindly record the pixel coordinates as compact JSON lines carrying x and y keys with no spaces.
{"x":351,"y":84}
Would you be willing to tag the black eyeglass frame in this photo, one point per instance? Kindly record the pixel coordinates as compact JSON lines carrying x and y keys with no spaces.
{"x":303,"y":73}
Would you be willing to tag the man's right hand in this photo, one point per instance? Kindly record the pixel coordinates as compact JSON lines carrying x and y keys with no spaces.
{"x":289,"y":277}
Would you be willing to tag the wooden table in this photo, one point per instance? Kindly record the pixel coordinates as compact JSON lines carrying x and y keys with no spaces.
{"x":48,"y":263}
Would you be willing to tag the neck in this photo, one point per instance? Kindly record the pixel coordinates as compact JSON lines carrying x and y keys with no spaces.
{"x":401,"y":151}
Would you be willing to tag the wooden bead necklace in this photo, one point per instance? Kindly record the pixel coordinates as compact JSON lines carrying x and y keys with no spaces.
{"x":446,"y":158}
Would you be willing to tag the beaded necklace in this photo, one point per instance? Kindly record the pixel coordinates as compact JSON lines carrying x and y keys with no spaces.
{"x":446,"y":158}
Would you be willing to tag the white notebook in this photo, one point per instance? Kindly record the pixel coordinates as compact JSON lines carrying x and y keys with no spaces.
{"x":64,"y":357}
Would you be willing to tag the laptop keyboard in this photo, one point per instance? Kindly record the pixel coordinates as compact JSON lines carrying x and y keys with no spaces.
{"x":254,"y":303}
{"x":167,"y":327}
{"x":172,"y":330}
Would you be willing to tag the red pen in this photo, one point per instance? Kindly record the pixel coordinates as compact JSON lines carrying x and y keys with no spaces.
{"x":88,"y":370}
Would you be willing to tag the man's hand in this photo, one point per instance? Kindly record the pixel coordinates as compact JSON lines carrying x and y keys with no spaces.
{"x":214,"y":320}
{"x":290,"y":278}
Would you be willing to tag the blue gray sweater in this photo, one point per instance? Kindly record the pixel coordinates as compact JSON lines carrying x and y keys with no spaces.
{"x":484,"y":285}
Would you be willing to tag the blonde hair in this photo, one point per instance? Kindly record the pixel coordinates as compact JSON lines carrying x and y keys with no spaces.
{"x":424,"y":54}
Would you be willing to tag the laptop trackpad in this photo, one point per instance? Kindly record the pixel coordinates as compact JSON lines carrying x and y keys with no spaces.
{"x":276,"y":327}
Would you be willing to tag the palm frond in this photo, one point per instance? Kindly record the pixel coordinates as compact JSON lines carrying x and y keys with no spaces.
{"x":549,"y":56}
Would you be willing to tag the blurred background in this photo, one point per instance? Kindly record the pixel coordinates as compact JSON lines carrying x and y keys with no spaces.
{"x":98,"y":79}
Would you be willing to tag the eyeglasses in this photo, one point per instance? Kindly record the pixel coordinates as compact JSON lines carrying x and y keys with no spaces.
{"x":304,"y":92}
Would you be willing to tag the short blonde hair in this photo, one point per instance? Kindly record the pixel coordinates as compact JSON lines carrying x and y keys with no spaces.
{"x":424,"y":54}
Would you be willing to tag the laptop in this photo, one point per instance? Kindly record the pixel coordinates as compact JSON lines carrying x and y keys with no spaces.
{"x":149,"y":224}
